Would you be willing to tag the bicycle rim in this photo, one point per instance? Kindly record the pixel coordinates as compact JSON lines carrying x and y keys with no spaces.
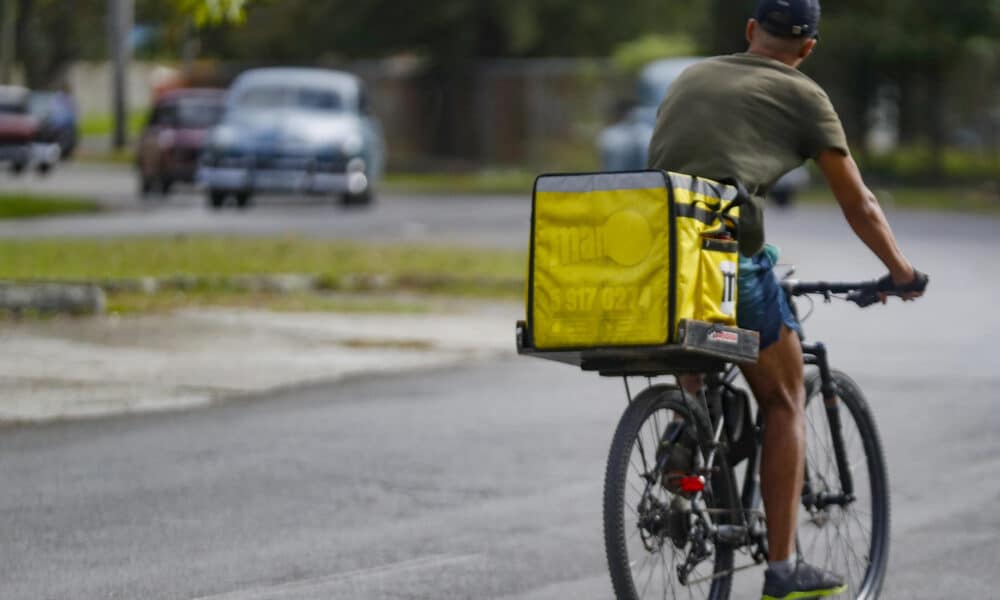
{"x":644,"y":566}
{"x":851,"y":540}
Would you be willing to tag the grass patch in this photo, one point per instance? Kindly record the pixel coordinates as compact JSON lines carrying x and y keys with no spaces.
{"x":26,"y":206}
{"x":166,"y":301}
{"x":102,"y":124}
{"x":959,"y":199}
{"x":87,"y":259}
{"x":210,"y":265}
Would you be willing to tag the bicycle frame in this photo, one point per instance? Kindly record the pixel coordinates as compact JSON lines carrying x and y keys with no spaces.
{"x":712,"y":414}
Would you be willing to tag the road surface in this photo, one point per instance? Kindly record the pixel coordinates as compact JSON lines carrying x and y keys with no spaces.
{"x":484,"y":481}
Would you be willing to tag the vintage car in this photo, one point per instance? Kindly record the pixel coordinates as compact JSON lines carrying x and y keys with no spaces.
{"x":624,"y":146}
{"x":20,"y":145}
{"x":170,"y":146}
{"x":58,"y":119}
{"x":290,"y":130}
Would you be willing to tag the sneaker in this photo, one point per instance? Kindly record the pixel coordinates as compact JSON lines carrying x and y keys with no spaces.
{"x":676,"y":454}
{"x":805,"y":582}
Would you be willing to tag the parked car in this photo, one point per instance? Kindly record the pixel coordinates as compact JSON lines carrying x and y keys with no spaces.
{"x":20,"y":146}
{"x":624,"y":146}
{"x":170,"y":146}
{"x":306,"y":131}
{"x":58,"y":120}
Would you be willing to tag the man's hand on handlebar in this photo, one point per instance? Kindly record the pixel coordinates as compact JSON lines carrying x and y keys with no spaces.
{"x":908,"y":286}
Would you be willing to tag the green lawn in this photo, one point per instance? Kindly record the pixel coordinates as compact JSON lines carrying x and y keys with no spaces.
{"x":209,"y":261}
{"x":223,"y":256}
{"x":100,"y":124}
{"x":26,"y":206}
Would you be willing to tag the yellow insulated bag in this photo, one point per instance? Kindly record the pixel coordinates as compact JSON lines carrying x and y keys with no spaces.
{"x":619,"y":259}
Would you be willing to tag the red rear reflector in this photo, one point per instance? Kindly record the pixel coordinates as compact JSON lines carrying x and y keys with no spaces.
{"x":692,"y":484}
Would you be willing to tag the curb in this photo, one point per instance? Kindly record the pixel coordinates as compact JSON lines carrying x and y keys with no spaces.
{"x":52,"y":298}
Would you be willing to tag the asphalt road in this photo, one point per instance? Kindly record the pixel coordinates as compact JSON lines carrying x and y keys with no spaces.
{"x":496,"y":221}
{"x":490,"y":221}
{"x":485,"y":481}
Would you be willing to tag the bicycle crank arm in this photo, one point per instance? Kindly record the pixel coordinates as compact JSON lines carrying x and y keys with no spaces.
{"x":721,"y":574}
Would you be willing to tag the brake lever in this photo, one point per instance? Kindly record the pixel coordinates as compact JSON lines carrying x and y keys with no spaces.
{"x":863,"y":299}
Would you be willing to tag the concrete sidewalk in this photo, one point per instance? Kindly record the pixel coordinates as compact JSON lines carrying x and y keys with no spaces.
{"x":70,"y":368}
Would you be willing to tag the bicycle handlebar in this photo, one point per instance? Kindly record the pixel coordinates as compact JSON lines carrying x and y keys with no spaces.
{"x":864,"y":293}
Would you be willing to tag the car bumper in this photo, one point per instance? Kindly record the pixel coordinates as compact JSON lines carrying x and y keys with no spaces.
{"x":241,"y":179}
{"x":37,"y":153}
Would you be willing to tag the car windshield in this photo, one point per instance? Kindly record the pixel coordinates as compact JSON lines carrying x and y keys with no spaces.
{"x":41,"y":104}
{"x":266,"y":97}
{"x":198,"y":113}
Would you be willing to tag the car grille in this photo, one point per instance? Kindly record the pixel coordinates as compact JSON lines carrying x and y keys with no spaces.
{"x":278,"y":161}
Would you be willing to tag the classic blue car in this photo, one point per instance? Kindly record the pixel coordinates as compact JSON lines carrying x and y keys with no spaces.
{"x":624,"y":146}
{"x":304,"y":131}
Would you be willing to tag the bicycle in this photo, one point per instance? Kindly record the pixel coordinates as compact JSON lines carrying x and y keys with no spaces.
{"x":704,"y":518}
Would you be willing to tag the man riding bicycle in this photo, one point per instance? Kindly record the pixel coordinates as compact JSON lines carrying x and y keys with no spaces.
{"x":753,"y":117}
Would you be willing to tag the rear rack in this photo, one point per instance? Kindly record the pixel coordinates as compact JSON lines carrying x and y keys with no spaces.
{"x":702,"y":348}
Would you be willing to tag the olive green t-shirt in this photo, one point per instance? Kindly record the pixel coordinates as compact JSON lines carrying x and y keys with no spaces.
{"x":743,"y":116}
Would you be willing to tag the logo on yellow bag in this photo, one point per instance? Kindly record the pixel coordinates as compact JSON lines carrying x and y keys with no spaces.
{"x":625,"y":237}
{"x":728,"y":305}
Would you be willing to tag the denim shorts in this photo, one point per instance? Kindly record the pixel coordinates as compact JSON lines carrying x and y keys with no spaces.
{"x":761,"y":305}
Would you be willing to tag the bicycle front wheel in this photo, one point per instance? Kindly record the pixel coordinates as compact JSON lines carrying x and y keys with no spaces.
{"x":651,"y":535}
{"x":845,"y":530}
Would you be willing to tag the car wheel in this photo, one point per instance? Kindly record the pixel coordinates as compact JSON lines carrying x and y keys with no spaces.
{"x":165,"y":186}
{"x":365,"y":198}
{"x":244,"y":200}
{"x":17,"y":168}
{"x":43,"y":168}
{"x":216,"y":199}
{"x":145,"y":185}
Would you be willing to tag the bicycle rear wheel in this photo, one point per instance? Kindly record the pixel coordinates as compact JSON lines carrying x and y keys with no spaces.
{"x":648,"y":529}
{"x":851,"y":538}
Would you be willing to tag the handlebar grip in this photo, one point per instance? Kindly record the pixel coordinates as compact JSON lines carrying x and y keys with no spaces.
{"x":919,"y":284}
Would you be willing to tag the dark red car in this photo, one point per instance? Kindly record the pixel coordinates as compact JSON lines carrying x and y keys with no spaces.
{"x":21,"y":144}
{"x":171,"y":143}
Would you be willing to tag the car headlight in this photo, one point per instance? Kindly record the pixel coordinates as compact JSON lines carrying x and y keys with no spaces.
{"x":225,"y":135}
{"x":352,"y":144}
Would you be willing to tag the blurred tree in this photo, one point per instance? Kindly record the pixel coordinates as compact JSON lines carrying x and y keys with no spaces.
{"x":205,"y":12}
{"x":53,"y":33}
{"x":910,"y":44}
{"x":450,"y":35}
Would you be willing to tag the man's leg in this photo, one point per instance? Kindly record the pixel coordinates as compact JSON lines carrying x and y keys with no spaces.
{"x":776,"y":381}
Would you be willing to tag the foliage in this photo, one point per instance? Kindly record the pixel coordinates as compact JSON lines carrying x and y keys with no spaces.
{"x":212,"y":12}
{"x":449,"y":32}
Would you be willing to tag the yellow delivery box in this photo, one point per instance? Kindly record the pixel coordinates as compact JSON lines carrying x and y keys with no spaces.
{"x":622,"y":259}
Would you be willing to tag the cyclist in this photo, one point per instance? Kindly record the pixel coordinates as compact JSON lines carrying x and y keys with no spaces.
{"x":754,"y":117}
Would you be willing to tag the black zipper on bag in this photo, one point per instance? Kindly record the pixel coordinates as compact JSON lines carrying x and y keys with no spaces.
{"x":672,"y":280}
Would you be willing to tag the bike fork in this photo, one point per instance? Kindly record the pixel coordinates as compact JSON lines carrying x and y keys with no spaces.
{"x":815,"y":354}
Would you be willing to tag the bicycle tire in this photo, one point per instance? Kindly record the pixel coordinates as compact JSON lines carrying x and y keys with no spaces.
{"x":650,"y":402}
{"x":869,"y":585}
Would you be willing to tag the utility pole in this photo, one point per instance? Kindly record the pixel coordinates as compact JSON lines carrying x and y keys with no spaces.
{"x":119,"y":26}
{"x":8,"y":39}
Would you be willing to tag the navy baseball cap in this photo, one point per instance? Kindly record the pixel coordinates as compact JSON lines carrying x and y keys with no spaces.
{"x":789,"y":18}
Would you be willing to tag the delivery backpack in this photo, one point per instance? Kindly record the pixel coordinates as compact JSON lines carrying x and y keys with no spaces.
{"x":633,"y":260}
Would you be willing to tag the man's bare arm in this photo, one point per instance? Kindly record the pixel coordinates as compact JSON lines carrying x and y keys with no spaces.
{"x":863,"y":213}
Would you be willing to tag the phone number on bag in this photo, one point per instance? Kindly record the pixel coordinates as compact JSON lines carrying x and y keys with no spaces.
{"x":585,"y":299}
